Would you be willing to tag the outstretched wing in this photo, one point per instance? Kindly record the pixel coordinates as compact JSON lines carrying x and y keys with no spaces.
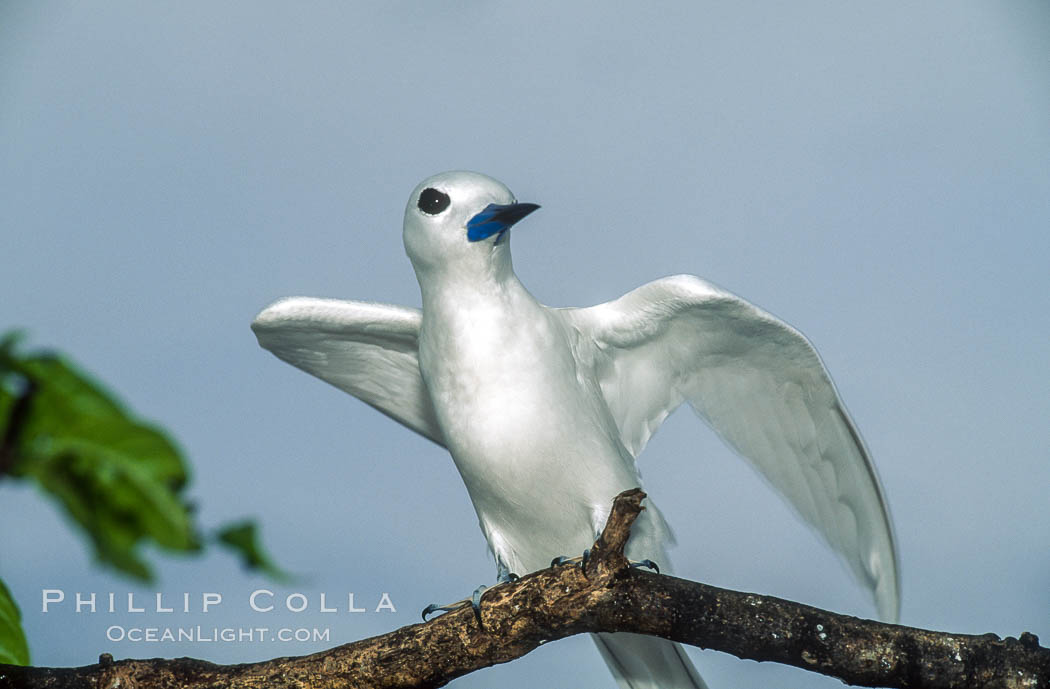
{"x":369,"y":350}
{"x":762,"y":387}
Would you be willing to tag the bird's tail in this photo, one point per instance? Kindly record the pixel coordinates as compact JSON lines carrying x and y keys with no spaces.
{"x":647,"y":662}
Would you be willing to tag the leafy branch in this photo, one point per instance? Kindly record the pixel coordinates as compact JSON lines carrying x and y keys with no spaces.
{"x":120,"y":480}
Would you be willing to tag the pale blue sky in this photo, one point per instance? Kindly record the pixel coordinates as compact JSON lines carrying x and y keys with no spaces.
{"x":875,"y":174}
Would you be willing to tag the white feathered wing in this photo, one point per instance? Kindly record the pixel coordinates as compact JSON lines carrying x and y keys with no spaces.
{"x":761,"y":386}
{"x":369,"y":350}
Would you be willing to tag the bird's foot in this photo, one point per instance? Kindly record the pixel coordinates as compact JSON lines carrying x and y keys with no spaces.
{"x":503,"y":573}
{"x":504,"y":576}
{"x":434,"y":607}
{"x":648,"y":564}
{"x":582,"y":561}
{"x":507,"y":578}
{"x":474,"y":602}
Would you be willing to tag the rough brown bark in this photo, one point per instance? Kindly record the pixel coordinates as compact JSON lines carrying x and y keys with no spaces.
{"x":610,"y":597}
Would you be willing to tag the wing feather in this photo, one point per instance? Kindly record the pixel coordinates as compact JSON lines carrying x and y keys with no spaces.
{"x":761,"y":386}
{"x":368,"y":350}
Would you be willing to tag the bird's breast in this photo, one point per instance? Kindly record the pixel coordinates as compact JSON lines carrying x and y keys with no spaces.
{"x":505,"y":386}
{"x":528,"y":430}
{"x":485,"y":362}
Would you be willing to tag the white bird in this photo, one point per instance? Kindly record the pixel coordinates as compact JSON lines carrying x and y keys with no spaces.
{"x":545,"y":409}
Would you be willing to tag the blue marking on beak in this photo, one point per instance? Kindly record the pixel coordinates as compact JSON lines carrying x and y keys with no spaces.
{"x":497,"y":219}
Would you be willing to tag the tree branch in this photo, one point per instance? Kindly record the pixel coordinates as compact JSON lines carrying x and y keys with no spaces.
{"x":609,"y":596}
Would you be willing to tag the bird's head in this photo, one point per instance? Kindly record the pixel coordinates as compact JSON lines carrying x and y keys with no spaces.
{"x":459,"y":221}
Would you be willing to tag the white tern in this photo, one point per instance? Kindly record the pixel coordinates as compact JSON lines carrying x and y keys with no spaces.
{"x":545,"y":409}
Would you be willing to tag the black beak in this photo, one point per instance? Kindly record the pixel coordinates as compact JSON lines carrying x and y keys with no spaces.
{"x":497,"y":219}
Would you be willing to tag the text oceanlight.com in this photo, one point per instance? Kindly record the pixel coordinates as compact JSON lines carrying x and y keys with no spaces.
{"x":202,"y":634}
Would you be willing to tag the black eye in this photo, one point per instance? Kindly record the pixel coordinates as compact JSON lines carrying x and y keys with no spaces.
{"x":432,"y":201}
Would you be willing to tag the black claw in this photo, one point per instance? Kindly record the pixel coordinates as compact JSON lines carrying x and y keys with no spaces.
{"x":560,"y":560}
{"x":475,"y":603}
{"x":586,"y":557}
{"x":507,"y":577}
{"x":429,"y":609}
{"x":647,"y":563}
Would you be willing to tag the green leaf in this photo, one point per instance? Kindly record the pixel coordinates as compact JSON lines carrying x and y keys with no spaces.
{"x":13,"y":647}
{"x":121,"y":480}
{"x":243,"y":539}
{"x":118,"y":478}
